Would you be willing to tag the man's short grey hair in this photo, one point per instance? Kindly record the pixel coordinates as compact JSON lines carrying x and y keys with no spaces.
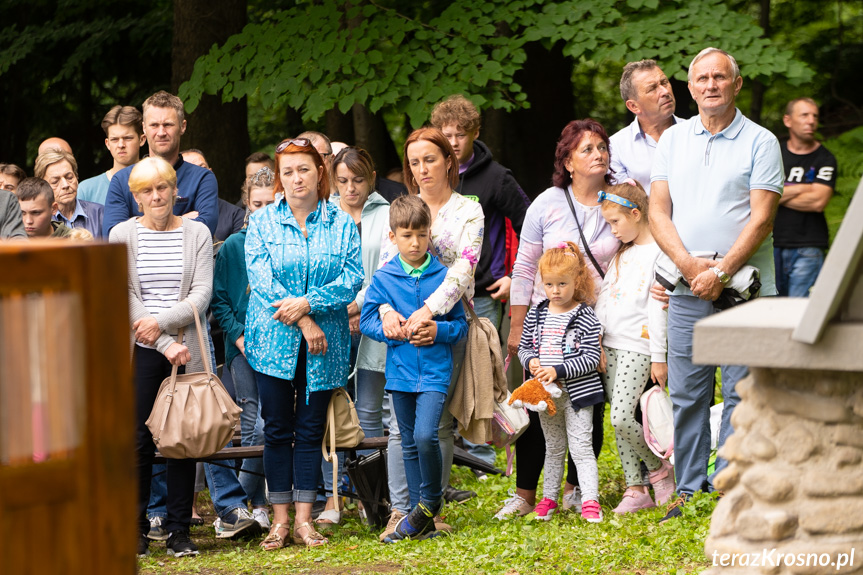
{"x":315,"y":137}
{"x":735,"y":69}
{"x":627,"y":90}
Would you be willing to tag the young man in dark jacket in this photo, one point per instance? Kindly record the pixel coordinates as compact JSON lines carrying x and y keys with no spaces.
{"x":494,"y":187}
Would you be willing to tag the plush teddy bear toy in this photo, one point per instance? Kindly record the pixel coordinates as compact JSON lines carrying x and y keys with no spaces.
{"x":536,"y":396}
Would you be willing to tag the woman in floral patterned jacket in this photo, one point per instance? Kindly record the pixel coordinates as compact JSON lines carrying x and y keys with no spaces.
{"x":431,"y":170}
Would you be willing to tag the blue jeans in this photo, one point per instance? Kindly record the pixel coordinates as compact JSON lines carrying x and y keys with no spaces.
{"x":418,"y":415}
{"x":797,"y":269}
{"x":252,"y":429}
{"x":226,"y":491}
{"x":397,"y":481}
{"x":485,"y":306}
{"x":691,"y":388}
{"x":293,"y":431}
{"x":369,"y":403}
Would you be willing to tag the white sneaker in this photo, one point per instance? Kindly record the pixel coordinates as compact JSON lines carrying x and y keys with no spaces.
{"x":157,"y":530}
{"x":572,"y":500}
{"x":514,"y":506}
{"x":260,"y":515}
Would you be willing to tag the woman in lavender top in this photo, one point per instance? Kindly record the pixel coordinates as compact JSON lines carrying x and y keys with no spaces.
{"x":581,"y":170}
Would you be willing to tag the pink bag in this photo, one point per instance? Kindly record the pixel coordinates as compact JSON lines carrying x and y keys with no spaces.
{"x":657,"y":419}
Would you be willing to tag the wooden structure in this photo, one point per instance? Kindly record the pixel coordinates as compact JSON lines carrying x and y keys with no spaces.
{"x":794,"y":489}
{"x":67,"y":459}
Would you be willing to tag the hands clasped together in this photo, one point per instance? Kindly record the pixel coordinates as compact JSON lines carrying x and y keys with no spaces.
{"x":295,"y":310}
{"x":419,"y":329}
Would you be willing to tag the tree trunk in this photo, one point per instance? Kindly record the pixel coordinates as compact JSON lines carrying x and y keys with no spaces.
{"x":339,"y":127}
{"x":531,"y":135}
{"x":758,"y":88}
{"x":372,"y":135}
{"x":219,"y":130}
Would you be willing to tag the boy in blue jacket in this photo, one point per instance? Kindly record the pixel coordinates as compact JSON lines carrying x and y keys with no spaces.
{"x":417,"y":375}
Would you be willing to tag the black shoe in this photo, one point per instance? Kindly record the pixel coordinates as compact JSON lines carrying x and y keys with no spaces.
{"x":179,"y":544}
{"x":143,"y":546}
{"x":451,"y":494}
{"x":675,"y":509}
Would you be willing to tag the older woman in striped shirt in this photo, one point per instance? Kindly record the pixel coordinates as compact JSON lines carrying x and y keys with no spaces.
{"x":170,"y":263}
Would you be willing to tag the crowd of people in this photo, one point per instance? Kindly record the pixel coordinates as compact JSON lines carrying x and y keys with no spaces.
{"x":326,"y":271}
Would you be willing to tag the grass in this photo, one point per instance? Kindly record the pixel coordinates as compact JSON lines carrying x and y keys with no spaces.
{"x":633,"y":544}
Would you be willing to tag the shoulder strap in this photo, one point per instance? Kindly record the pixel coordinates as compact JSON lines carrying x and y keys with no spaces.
{"x":581,"y":233}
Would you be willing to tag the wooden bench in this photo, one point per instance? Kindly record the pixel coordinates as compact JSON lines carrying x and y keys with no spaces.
{"x":255,"y":451}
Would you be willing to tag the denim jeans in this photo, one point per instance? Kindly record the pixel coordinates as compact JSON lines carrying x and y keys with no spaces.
{"x":252,"y":429}
{"x":369,"y":403}
{"x":293,"y":431}
{"x":226,"y":490}
{"x":399,"y":496}
{"x":797,"y":269}
{"x":692,"y":387}
{"x":485,"y":306}
{"x":418,"y":415}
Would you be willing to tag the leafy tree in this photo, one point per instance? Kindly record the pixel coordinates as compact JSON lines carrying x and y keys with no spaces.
{"x":318,"y":55}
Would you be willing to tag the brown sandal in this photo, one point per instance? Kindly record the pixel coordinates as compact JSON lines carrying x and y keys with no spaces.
{"x":273,"y":541}
{"x":311,"y":539}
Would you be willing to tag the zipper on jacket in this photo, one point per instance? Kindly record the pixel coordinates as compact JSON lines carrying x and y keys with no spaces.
{"x":419,"y":372}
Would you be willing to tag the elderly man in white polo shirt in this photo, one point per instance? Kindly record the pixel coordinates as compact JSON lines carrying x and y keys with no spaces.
{"x":715,"y":186}
{"x":646,"y":92}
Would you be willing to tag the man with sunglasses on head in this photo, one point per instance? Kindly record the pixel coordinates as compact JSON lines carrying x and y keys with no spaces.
{"x":198,"y":192}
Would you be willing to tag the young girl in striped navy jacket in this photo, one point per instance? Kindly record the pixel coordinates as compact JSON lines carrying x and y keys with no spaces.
{"x":560,"y":342}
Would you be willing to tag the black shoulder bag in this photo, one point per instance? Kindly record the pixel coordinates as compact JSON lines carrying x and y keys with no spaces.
{"x":581,"y":233}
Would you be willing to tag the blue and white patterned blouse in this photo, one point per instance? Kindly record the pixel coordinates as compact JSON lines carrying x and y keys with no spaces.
{"x":326,"y":269}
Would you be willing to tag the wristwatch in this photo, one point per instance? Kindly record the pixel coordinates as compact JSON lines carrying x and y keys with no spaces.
{"x":724,"y":278}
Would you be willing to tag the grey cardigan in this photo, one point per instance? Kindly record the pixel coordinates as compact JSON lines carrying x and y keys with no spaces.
{"x":196,"y":286}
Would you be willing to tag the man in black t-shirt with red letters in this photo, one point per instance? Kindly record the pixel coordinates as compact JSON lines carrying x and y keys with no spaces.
{"x":800,"y":233}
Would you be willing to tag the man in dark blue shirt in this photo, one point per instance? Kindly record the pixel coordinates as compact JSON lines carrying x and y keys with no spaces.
{"x":197,"y":190}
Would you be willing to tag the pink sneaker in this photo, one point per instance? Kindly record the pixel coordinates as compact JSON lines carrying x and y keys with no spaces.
{"x":634,"y":500}
{"x":545,"y":509}
{"x":663,"y":482}
{"x":591,"y":511}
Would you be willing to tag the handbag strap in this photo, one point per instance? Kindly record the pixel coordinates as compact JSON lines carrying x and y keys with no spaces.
{"x":332,"y":456}
{"x":169,"y":399}
{"x":581,"y":233}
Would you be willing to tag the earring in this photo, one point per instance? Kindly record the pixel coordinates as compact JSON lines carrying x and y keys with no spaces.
{"x":414,"y":180}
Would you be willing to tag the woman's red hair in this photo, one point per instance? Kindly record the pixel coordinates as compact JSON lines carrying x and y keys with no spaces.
{"x":323,"y":182}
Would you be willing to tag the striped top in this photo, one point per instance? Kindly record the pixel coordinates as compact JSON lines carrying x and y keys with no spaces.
{"x":568,"y":341}
{"x":160,"y":269}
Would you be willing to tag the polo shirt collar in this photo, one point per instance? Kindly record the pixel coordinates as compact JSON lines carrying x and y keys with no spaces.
{"x":730,"y":132}
{"x":638,"y":132}
{"x":412,"y":271}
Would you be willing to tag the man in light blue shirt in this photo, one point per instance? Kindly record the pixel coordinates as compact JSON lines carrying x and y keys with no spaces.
{"x":124,"y":136}
{"x":646,"y":92}
{"x":715,"y":187}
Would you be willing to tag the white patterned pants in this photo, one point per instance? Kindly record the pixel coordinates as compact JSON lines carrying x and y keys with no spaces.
{"x":575,"y":429}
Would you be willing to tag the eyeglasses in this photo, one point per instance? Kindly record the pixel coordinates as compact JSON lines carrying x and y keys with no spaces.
{"x":301,"y":142}
{"x":617,"y":200}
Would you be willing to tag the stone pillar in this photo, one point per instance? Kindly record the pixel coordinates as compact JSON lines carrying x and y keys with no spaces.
{"x":794,"y":482}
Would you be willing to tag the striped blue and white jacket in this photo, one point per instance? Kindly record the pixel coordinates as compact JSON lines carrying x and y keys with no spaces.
{"x":581,"y":352}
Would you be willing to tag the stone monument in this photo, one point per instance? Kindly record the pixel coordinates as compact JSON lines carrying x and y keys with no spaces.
{"x":793,"y":500}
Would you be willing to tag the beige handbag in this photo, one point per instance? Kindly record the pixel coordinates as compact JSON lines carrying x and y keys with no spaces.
{"x":343,"y":430}
{"x":193,"y":415}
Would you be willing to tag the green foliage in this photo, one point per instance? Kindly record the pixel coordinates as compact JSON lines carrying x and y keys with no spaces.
{"x":848,"y":149}
{"x":316,"y":56}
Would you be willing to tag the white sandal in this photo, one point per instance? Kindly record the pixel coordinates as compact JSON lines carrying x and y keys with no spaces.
{"x":329,"y":517}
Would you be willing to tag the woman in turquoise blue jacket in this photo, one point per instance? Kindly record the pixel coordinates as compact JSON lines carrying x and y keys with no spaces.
{"x":304,"y":266}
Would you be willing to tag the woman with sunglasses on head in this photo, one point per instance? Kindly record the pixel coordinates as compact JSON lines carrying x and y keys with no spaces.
{"x":568,"y":211}
{"x":431,"y":171}
{"x":304,"y":266}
